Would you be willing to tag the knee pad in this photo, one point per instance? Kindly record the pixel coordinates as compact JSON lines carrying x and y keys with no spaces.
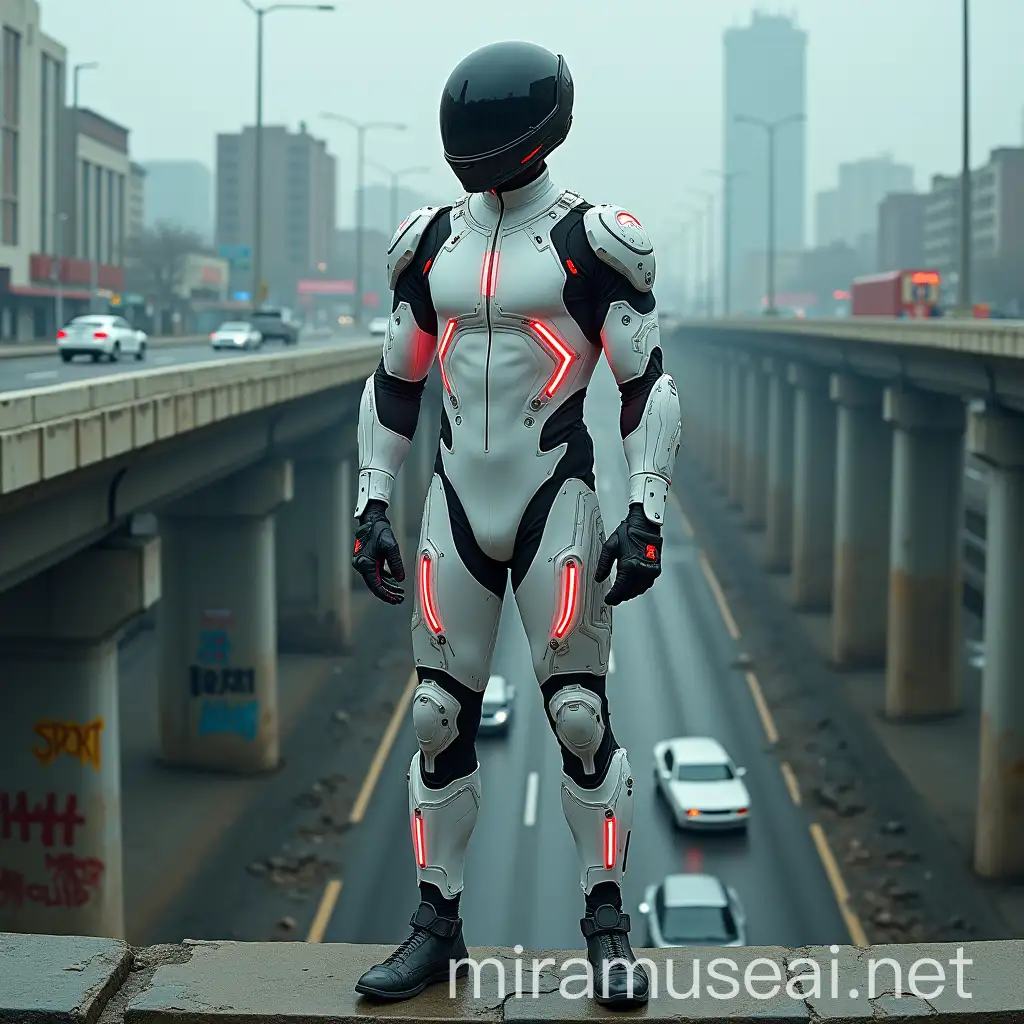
{"x":579,"y":723}
{"x":600,"y":821}
{"x":435,"y":715}
{"x":442,"y":821}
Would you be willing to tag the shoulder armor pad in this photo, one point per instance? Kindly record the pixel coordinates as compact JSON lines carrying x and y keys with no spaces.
{"x":619,"y":240}
{"x":406,"y":241}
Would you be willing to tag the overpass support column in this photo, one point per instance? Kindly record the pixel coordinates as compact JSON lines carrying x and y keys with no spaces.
{"x":779,"y":510}
{"x":314,"y":548}
{"x":218,"y":658}
{"x":722,"y":422}
{"x":860,"y":585}
{"x":737,"y":428}
{"x":705,"y":446}
{"x":756,"y":461}
{"x":814,"y":488}
{"x":925,"y":585}
{"x":60,"y":769}
{"x":998,"y":439}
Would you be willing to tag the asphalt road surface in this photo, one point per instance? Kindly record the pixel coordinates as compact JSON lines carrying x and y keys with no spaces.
{"x":672,"y":674}
{"x":17,"y":374}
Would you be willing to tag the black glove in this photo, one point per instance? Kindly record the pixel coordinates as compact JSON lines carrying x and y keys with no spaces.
{"x":376,"y":545}
{"x":636,"y":546}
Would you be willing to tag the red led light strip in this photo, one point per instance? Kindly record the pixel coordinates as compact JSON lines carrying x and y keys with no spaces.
{"x":570,"y":596}
{"x":419,"y":841}
{"x":427,"y":597}
{"x":442,"y":350}
{"x":609,"y":843}
{"x":561,"y":352}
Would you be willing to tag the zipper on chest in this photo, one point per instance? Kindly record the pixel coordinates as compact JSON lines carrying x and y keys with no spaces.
{"x":488,"y":280}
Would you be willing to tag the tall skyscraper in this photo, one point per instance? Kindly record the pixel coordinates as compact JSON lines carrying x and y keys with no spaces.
{"x":180,"y":192}
{"x":765,"y":78}
{"x":298,"y":214}
{"x":849,"y":212}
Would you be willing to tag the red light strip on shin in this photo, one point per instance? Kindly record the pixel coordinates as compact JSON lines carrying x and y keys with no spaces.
{"x":427,"y":595}
{"x":562,"y":353}
{"x":609,"y":843}
{"x":569,"y":599}
{"x":419,"y":841}
{"x":442,"y":351}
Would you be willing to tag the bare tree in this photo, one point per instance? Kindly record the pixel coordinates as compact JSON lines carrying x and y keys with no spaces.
{"x":156,"y":261}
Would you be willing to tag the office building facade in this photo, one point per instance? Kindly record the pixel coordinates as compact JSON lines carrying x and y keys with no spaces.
{"x":180,"y":192}
{"x":765,"y":79}
{"x":901,"y":219}
{"x":298,"y":212}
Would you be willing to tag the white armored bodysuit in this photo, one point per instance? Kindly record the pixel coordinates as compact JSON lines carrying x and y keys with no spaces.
{"x":516,"y":295}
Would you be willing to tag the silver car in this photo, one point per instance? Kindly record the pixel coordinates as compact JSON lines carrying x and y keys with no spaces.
{"x":701,"y":786}
{"x":236,"y":334}
{"x":496,"y":716}
{"x":693,"y":910}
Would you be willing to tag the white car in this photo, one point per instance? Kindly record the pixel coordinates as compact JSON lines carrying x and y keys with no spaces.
{"x":693,"y":910}
{"x":236,"y":334}
{"x":496,"y":711}
{"x":100,"y":337}
{"x":378,"y":326}
{"x":701,"y":785}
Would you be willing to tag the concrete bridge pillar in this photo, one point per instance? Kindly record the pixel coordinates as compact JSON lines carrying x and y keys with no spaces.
{"x":706,"y":396}
{"x":998,"y":439}
{"x":779,"y":503}
{"x":60,"y":769}
{"x":860,"y":585}
{"x":314,"y":548}
{"x":924,"y":644}
{"x":755,"y":494}
{"x":218,"y":657}
{"x":722,"y":391}
{"x":737,"y":428}
{"x":814,"y":488}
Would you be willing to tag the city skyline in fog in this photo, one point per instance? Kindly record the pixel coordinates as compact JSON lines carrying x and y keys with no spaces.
{"x":648,"y":116}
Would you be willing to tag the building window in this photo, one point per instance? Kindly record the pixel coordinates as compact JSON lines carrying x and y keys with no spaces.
{"x":98,"y":174}
{"x":86,"y":232}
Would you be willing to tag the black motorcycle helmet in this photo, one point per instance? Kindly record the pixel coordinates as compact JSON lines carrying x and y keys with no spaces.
{"x":505,"y":107}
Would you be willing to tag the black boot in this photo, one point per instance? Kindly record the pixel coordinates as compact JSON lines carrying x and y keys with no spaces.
{"x":606,"y":930}
{"x":424,"y":958}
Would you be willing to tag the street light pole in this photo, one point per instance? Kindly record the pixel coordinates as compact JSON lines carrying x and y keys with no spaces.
{"x":771,"y":128}
{"x":698,"y":257}
{"x":709,"y":284}
{"x":395,"y":177}
{"x":59,"y":221}
{"x":93,"y":264}
{"x":966,"y":203}
{"x":257,"y":227}
{"x":361,"y":128}
{"x":727,"y":180}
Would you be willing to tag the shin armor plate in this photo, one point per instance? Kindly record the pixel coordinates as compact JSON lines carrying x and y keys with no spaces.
{"x":600,"y":820}
{"x":442,"y":821}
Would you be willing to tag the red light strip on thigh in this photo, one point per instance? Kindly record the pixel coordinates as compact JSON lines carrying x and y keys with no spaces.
{"x":427,"y":595}
{"x":569,"y":599}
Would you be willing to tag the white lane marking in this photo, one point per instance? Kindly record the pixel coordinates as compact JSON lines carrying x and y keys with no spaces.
{"x":41,"y":375}
{"x":163,"y":359}
{"x":611,"y":662}
{"x":530,"y":811}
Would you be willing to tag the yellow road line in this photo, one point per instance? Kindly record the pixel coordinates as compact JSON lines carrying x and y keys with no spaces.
{"x":716,"y":589}
{"x":380,"y":758}
{"x":842,"y":894}
{"x":762,"y":708}
{"x":323,"y":912}
{"x":791,"y":783}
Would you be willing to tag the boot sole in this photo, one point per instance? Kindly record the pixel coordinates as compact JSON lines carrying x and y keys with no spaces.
{"x":622,"y":1002}
{"x":394,"y":997}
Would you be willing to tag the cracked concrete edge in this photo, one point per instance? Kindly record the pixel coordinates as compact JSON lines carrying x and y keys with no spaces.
{"x":139,"y":968}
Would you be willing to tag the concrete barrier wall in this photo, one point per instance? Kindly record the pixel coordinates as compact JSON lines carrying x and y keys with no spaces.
{"x":64,"y":979}
{"x":51,"y":431}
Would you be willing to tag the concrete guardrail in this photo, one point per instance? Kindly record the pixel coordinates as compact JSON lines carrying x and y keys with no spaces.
{"x":64,"y":979}
{"x":27,"y":350}
{"x":50,"y":431}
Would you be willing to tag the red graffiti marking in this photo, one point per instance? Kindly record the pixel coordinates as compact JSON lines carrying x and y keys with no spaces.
{"x":73,"y":880}
{"x":17,"y":816}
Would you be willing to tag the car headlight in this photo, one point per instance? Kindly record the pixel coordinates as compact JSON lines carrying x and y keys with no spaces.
{"x":501,"y":717}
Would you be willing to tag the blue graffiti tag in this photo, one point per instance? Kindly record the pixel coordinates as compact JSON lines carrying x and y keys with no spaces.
{"x":214,"y":647}
{"x":218,"y":718}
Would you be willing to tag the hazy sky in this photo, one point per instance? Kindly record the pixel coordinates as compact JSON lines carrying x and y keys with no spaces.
{"x":883,"y":75}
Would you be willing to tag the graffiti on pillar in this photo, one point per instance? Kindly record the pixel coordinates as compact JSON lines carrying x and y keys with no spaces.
{"x":72,"y":883}
{"x":46,"y":819}
{"x":220,"y":718}
{"x":83,"y":743}
{"x":219,"y":682}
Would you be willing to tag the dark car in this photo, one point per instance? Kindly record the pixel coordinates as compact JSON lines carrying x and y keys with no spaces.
{"x":275,"y":325}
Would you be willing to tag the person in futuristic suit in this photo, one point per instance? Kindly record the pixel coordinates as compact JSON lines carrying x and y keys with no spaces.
{"x":516,"y":290}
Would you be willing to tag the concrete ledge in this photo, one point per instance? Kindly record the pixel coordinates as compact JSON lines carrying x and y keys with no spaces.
{"x":50,"y":431}
{"x":973,"y":337}
{"x":65,"y":978}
